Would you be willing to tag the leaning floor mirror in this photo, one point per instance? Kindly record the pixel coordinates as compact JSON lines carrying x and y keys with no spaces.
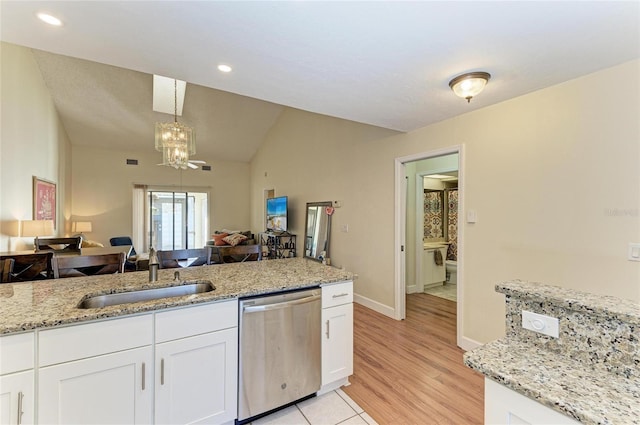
{"x":318,"y":230}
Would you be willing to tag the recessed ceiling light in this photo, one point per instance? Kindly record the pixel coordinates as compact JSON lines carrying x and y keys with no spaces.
{"x":51,"y":20}
{"x":224,"y":68}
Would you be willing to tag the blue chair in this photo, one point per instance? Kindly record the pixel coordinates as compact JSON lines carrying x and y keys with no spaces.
{"x":129,"y":266}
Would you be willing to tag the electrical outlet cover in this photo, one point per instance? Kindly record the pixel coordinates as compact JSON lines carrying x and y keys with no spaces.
{"x":540,"y":323}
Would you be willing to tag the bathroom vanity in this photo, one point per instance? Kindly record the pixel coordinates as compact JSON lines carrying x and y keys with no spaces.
{"x":167,"y":360}
{"x":587,"y":374}
{"x":432,"y":272}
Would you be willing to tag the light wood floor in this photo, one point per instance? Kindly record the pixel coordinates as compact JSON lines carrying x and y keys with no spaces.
{"x":411,"y":371}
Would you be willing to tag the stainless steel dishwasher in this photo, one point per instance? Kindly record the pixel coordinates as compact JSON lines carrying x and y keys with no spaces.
{"x":279,"y":355}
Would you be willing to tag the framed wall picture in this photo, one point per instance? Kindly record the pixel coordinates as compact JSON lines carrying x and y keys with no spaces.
{"x":44,"y":200}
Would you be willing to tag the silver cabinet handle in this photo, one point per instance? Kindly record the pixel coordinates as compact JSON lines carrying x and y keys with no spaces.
{"x":20,"y":412}
{"x":340,"y":295}
{"x":327,"y":333}
{"x":162,"y":372}
{"x":143,"y":376}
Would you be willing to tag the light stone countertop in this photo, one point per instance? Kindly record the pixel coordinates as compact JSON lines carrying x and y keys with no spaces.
{"x":591,"y":372}
{"x":53,"y":302}
{"x":603,"y":305}
{"x":589,"y":395}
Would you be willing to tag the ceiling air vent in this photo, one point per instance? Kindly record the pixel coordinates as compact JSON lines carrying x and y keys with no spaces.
{"x":206,"y":168}
{"x":132,"y":162}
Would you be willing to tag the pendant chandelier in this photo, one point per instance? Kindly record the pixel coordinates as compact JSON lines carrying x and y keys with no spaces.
{"x":176,"y":141}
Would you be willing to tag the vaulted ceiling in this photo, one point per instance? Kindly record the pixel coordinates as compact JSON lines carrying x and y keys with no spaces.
{"x":384,"y":63}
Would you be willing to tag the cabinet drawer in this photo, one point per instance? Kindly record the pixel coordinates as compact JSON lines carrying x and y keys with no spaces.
{"x":337,"y":294}
{"x":93,"y":339}
{"x":17,"y":352}
{"x":189,"y":321}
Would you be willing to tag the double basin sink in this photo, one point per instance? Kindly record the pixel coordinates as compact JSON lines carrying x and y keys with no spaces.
{"x":182,"y":289}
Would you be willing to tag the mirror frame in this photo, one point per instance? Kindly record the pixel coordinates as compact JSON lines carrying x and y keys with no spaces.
{"x":306,"y":229}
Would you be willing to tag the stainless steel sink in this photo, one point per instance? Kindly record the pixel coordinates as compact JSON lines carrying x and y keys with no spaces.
{"x":146,"y":295}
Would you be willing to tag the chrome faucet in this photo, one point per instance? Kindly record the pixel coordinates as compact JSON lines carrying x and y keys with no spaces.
{"x":154,"y":264}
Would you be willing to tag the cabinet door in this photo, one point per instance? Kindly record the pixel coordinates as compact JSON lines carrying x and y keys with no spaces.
{"x":196,"y":379}
{"x":337,"y":343}
{"x":114,"y":388}
{"x":16,"y":398}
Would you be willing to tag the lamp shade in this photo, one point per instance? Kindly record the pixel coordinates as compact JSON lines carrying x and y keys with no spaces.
{"x":32,"y":228}
{"x":81,"y":226}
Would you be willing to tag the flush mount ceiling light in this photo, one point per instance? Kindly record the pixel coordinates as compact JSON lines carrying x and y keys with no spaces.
{"x":174,"y":140}
{"x":470,"y":84}
{"x":224,"y":68}
{"x":49,"y":19}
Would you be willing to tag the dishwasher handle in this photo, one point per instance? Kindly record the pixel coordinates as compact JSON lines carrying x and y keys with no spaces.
{"x":278,"y":306}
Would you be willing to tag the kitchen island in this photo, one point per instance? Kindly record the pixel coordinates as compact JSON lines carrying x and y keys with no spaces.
{"x":588,"y":374}
{"x":167,"y":360}
{"x":49,"y":303}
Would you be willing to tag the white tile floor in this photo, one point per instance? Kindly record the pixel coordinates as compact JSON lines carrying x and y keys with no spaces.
{"x":332,"y":408}
{"x":448,"y":291}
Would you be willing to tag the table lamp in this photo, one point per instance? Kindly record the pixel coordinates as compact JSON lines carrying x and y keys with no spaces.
{"x":81,"y":227}
{"x":34,"y":228}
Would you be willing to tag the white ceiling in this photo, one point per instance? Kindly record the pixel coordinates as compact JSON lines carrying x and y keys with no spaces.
{"x":384,"y":63}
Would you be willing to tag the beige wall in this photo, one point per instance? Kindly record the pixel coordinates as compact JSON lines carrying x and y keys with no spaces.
{"x":553,"y":176}
{"x":33,"y":142}
{"x":103,"y":183}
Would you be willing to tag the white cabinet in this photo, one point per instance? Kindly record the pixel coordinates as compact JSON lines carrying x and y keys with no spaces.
{"x":433,"y":273}
{"x":98,"y":372}
{"x":17,"y":393}
{"x":16,"y":398}
{"x":177,"y":366}
{"x":504,"y":406}
{"x":337,"y":335}
{"x":196,"y":376}
{"x":115,"y":388}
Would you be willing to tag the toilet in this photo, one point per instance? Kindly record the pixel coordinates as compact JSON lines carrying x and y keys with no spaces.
{"x":452,"y":271}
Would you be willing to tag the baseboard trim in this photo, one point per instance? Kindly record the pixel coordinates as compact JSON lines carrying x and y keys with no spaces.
{"x":468,"y":344}
{"x":374,"y":305}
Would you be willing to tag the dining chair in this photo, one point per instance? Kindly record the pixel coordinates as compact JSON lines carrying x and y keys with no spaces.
{"x":130,"y":263}
{"x":32,"y":266}
{"x":88,"y":265}
{"x":172,"y":259}
{"x":6,"y":268}
{"x":238,"y":253}
{"x":62,"y":245}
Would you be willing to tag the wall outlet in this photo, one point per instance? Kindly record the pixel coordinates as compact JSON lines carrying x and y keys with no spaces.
{"x":344,"y":228}
{"x":540,"y":323}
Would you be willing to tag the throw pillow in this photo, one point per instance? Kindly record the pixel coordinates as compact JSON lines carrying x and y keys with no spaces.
{"x":219,"y":239}
{"x":86,"y":243}
{"x":235,"y":239}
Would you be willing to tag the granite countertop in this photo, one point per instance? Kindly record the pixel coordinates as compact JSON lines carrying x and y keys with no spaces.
{"x":589,"y":372}
{"x":558,"y":382}
{"x":603,"y":305}
{"x":47,"y":303}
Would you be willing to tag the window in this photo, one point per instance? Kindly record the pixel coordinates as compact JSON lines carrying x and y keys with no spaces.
{"x":169,"y":219}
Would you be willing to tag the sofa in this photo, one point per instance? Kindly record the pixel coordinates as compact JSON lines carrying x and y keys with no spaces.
{"x":227,"y":237}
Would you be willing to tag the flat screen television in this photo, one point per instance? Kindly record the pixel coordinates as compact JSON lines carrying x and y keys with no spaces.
{"x":277,"y":214}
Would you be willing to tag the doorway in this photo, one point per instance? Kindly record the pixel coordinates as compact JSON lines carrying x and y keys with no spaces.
{"x":408,"y":247}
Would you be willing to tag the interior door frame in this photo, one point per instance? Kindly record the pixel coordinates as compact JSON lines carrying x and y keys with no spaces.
{"x":400,"y":231}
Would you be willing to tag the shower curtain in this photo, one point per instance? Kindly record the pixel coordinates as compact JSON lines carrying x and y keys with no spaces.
{"x":433,"y":215}
{"x":452,"y":228}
